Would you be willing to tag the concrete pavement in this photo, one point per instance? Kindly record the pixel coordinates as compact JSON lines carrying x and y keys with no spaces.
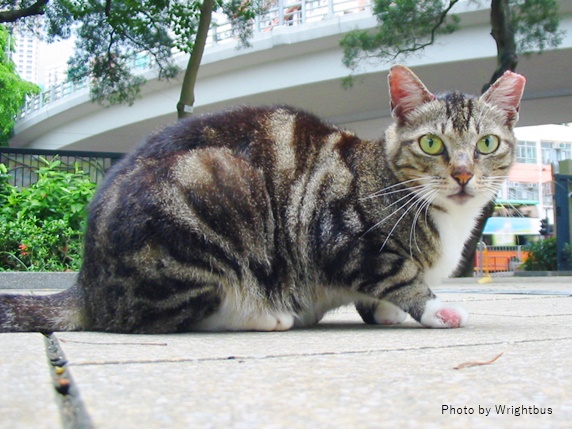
{"x":339,"y":374}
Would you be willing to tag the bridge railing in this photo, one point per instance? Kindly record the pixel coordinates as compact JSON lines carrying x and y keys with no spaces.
{"x":280,"y":13}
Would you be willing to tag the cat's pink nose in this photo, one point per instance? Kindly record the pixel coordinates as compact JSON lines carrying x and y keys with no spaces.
{"x":462,"y":175}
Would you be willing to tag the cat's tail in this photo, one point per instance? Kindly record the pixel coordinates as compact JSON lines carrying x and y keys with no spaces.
{"x":41,"y":313}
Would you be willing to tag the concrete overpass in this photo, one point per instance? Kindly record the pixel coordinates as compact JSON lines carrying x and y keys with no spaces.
{"x":301,"y":65}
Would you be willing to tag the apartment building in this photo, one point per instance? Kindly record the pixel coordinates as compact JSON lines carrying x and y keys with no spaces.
{"x":538,"y":151}
{"x":527,"y":195}
{"x":26,"y":54}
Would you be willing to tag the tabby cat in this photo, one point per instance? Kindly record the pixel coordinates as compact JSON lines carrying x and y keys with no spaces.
{"x":265,"y":218}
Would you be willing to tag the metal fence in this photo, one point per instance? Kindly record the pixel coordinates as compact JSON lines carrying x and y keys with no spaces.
{"x":23,"y":163}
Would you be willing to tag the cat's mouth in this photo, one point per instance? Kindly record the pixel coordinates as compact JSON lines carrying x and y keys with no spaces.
{"x":461,"y":197}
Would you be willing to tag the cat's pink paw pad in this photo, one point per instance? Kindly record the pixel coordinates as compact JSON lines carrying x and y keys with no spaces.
{"x":450,"y":317}
{"x":439,"y":315}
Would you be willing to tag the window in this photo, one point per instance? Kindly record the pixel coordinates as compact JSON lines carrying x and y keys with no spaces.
{"x":547,"y":194}
{"x":554,"y":152}
{"x":563,"y":151}
{"x":526,"y":152}
{"x":547,"y":157}
{"x":523,"y":191}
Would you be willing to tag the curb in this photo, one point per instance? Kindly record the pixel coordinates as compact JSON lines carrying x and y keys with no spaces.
{"x":542,"y":273}
{"x":25,"y":280}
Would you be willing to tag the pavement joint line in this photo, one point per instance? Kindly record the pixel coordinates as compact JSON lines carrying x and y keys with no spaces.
{"x":526,"y":316}
{"x":548,"y":293}
{"x":498,"y":298}
{"x":72,"y":410}
{"x":303,"y":355}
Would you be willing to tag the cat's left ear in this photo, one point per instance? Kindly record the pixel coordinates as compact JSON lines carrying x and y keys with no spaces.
{"x":406,"y":92}
{"x":505,"y":94}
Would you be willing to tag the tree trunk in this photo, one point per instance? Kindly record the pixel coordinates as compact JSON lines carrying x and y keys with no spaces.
{"x":507,"y":59}
{"x":187,"y":99}
{"x":502,"y":32}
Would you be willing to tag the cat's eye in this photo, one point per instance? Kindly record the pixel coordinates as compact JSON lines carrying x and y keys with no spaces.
{"x":488,"y":144}
{"x":431,"y":144}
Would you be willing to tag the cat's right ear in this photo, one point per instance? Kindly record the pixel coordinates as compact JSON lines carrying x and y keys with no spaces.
{"x":406,"y":92}
{"x":506,"y":94}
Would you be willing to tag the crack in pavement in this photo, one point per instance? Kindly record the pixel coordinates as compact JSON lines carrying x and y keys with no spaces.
{"x":72,"y":410}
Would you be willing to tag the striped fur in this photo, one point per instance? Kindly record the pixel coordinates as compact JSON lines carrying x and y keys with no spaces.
{"x":267,"y":217}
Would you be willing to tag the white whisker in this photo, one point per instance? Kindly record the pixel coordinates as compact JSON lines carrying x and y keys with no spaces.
{"x":413,"y":202}
{"x":411,"y":196}
{"x":426,"y":201}
{"x":384,"y":192}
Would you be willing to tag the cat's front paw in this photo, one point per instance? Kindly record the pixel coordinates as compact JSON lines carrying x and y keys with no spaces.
{"x":380,"y":312}
{"x":440,"y":315}
{"x":388,"y":314}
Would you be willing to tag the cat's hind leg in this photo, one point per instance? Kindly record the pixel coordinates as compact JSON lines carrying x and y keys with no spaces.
{"x":240,"y":311}
{"x":263,"y":321}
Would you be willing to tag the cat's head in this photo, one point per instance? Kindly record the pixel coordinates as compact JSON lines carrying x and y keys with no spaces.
{"x":454,"y":149}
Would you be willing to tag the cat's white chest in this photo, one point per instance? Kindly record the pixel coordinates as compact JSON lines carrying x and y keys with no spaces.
{"x":454,"y":228}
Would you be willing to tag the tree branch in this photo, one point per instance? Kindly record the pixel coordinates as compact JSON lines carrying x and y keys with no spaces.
{"x":390,"y":42}
{"x":37,"y":8}
{"x":439,"y":23}
{"x":420,"y":46}
{"x":119,"y":29}
{"x":188,"y":87}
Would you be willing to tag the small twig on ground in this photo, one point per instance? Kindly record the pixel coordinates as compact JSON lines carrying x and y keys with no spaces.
{"x":470,"y":364}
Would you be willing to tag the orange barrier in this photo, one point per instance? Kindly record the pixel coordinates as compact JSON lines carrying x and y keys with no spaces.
{"x":499,"y":260}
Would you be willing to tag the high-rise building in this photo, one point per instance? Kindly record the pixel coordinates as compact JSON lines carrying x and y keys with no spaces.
{"x":42,"y":63}
{"x":26,"y":55}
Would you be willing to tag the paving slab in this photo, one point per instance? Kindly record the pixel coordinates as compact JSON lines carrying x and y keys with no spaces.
{"x":383,"y":389}
{"x":513,"y":361}
{"x":27,"y":397}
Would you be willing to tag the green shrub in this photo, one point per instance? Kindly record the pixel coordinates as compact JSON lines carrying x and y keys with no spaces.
{"x":32,"y":245}
{"x":542,"y":255}
{"x":41,"y":227}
